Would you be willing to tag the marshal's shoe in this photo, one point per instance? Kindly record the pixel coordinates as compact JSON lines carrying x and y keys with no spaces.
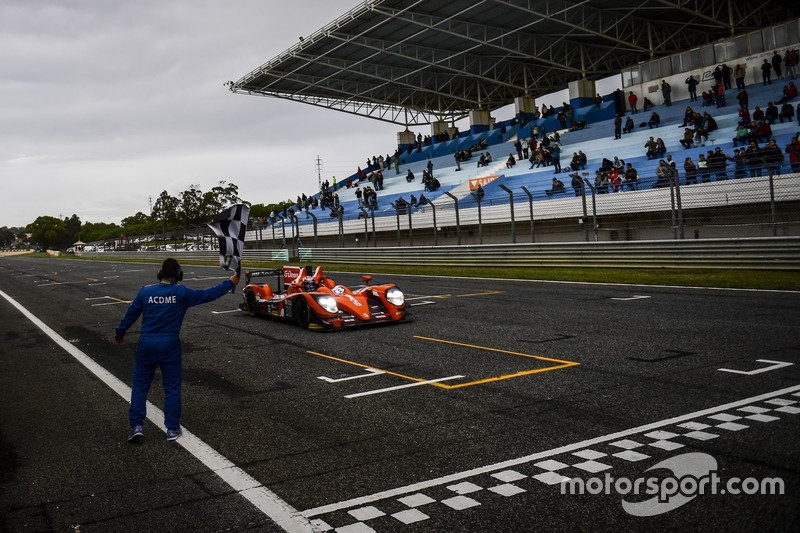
{"x":173,"y":434}
{"x":135,"y":434}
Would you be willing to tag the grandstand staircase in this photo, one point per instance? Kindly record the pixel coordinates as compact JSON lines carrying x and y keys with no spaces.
{"x":463,"y":190}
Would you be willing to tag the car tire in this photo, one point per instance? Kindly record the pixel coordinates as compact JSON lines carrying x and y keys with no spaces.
{"x":250,"y":301}
{"x":302,"y":313}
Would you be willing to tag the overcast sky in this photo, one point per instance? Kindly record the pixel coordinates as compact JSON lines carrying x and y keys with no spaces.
{"x":106,"y":103}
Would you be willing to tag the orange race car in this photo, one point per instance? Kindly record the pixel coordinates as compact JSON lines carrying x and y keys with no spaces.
{"x":315,"y":301}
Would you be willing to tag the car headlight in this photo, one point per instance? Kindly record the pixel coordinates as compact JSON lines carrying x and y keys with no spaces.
{"x":395,"y":296}
{"x":328,"y":303}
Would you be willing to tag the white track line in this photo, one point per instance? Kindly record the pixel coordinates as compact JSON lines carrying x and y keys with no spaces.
{"x":264,"y":499}
{"x":399,"y":491}
{"x":398,"y":387}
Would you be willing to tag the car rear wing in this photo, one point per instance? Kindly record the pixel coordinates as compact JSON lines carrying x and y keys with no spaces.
{"x":250,"y":274}
{"x":284,"y":275}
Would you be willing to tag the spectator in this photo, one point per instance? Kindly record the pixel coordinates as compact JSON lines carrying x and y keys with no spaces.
{"x":774,"y":157}
{"x":763,"y":132}
{"x":577,"y":183}
{"x":744,"y":116}
{"x":575,"y":163}
{"x":709,"y":124}
{"x":741,"y":135}
{"x":628,"y":125}
{"x":791,"y":59}
{"x":558,"y":186}
{"x":726,"y":76}
{"x":661,"y":149}
{"x":793,"y":149}
{"x":651,"y":146}
{"x":555,"y":153}
{"x":692,"y":85}
{"x":688,"y":138}
{"x":647,"y":104}
{"x":510,"y":162}
{"x":401,"y":206}
{"x":787,"y":112}
{"x":771,"y":113}
{"x":777,"y":61}
{"x":702,"y":169}
{"x":666,"y":93}
{"x":742,"y":98}
{"x":655,"y":120}
{"x":691,"y":171}
{"x":738,"y":164}
{"x":631,"y":177}
{"x":688,"y":117}
{"x":601,"y":182}
{"x":717,"y":163}
{"x":754,"y":159}
{"x":479,"y":192}
{"x":672,"y":163}
{"x":663,"y":172}
{"x":739,"y":72}
{"x":410,"y":176}
{"x":789,"y":93}
{"x":582,"y":157}
{"x":766,"y":73}
{"x":617,"y":127}
{"x":615,"y":180}
{"x":719,"y":95}
{"x":632,"y":99}
{"x":758,"y":114}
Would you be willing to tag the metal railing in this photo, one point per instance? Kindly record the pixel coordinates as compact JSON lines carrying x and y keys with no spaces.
{"x":769,"y":253}
{"x":722,"y":204}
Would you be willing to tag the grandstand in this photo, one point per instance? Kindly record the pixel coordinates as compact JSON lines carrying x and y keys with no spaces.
{"x":336,"y":68}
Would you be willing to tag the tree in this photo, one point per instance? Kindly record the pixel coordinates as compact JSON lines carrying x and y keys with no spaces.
{"x":165,"y":210}
{"x":217,"y":198}
{"x":99,"y":231}
{"x":7,"y":236}
{"x":50,"y":232}
{"x":191,"y":205}
{"x":73,"y":227}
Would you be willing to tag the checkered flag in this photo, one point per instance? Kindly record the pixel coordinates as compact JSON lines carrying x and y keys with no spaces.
{"x":230,"y":227}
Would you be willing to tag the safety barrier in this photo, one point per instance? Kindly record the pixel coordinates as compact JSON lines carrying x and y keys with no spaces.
{"x":772,"y":253}
{"x":768,"y":253}
{"x":200,"y":256}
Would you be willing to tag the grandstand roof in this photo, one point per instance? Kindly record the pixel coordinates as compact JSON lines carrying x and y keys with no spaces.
{"x":416,"y":61}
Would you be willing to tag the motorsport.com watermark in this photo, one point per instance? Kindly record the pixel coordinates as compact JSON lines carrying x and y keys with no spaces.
{"x":693,"y":474}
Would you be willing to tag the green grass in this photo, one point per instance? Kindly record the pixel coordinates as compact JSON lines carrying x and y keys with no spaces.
{"x":746,"y":279}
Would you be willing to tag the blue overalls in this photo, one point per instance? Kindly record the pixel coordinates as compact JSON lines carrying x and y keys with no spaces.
{"x":162,"y":307}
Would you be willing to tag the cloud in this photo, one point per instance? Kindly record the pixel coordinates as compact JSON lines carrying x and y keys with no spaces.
{"x":105,"y":104}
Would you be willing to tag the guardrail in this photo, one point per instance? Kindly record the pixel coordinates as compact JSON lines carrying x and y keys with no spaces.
{"x":767,"y":253}
{"x":205,"y":256}
{"x":770,"y":253}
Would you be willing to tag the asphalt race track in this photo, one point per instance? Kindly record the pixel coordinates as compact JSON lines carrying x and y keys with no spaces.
{"x":468,"y":419}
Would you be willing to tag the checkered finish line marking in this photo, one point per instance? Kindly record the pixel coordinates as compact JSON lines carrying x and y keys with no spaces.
{"x":588,"y":456}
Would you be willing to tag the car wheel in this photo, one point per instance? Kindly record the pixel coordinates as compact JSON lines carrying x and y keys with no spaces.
{"x":250,"y":301}
{"x":302,"y":313}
